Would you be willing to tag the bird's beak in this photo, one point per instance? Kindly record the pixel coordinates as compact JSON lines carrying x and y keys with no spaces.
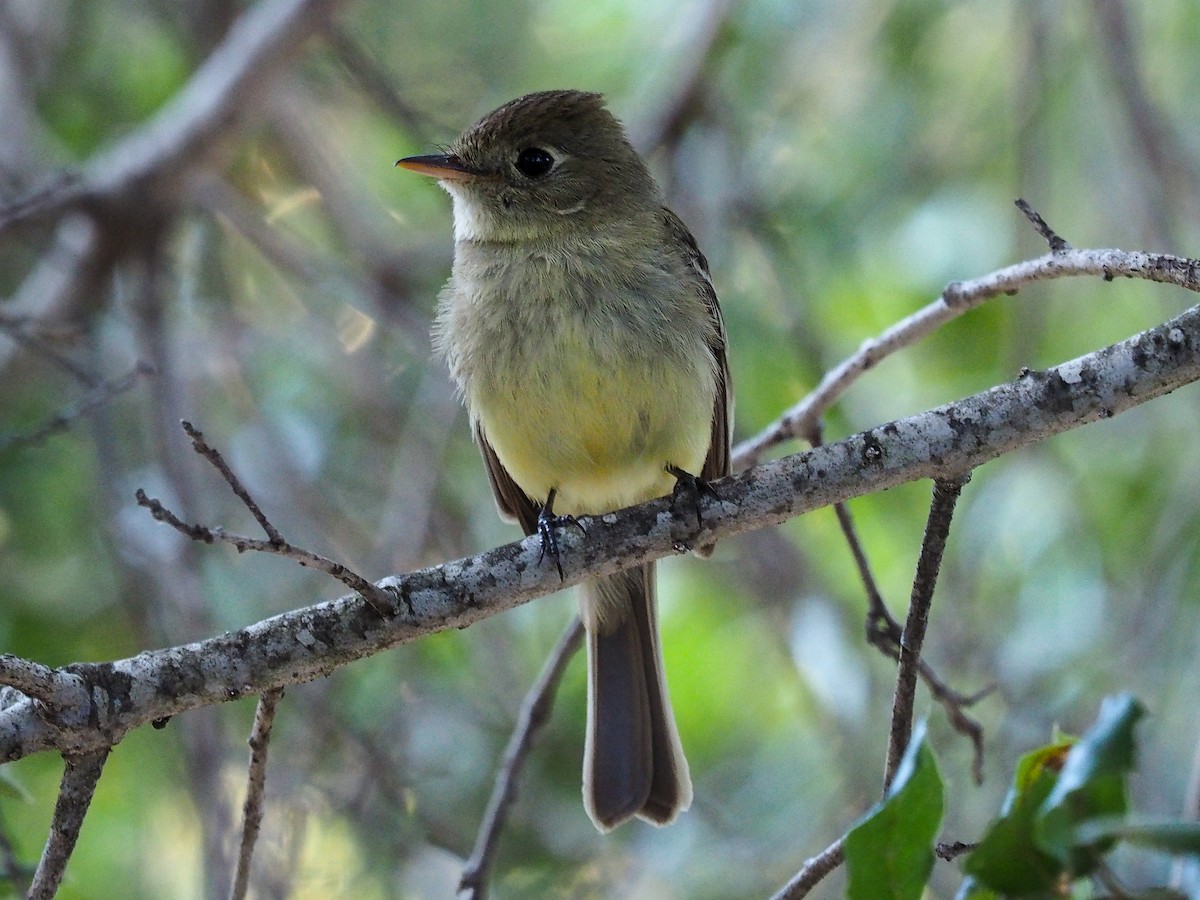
{"x":444,"y":167}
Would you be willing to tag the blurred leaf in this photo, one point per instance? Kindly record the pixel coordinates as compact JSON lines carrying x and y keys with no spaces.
{"x":10,"y":787}
{"x":889,"y":853}
{"x":1092,"y":785}
{"x":1008,"y":858}
{"x":1177,"y":838}
{"x":971,"y":889}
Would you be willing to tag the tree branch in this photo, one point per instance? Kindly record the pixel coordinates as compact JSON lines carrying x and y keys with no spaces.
{"x":813,"y":871}
{"x":937,"y":529}
{"x":74,"y":798}
{"x":274,"y":544}
{"x":259,"y":42}
{"x":256,"y":783}
{"x":312,"y":642}
{"x":956,"y":299}
{"x":884,"y":633}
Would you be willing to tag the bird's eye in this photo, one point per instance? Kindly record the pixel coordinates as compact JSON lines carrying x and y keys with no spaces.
{"x":534,"y":162}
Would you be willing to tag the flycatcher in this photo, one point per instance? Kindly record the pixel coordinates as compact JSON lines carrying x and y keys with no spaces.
{"x":582,"y":328}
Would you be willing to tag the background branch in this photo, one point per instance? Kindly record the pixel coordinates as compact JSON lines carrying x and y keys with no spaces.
{"x":535,"y":712}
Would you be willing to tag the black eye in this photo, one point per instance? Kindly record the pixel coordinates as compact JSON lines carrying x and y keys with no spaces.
{"x":534,"y":162}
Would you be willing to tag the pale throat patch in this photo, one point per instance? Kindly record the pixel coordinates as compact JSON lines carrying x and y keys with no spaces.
{"x":467,"y":223}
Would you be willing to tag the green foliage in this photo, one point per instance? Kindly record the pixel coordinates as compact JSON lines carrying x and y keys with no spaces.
{"x":1066,"y":811}
{"x":1008,"y":858}
{"x":1092,"y":785}
{"x":889,"y":853}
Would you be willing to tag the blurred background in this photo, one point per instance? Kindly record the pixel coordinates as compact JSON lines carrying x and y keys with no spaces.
{"x":839,"y":163}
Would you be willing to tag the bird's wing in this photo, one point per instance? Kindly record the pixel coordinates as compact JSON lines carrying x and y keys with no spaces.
{"x":716,"y":465}
{"x":512,"y":502}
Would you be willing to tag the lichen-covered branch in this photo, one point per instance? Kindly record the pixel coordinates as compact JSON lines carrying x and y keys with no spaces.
{"x":312,"y":642}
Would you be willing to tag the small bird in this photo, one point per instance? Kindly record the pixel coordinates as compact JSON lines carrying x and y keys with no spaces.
{"x":581,"y":326}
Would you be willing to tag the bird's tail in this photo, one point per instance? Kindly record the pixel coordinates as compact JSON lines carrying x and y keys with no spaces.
{"x":633,"y":761}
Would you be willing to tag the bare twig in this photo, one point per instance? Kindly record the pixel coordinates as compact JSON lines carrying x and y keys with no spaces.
{"x":74,"y":798}
{"x":812,"y":872}
{"x":275,"y":543}
{"x":217,"y":461}
{"x":952,"y":850}
{"x":376,"y":83}
{"x":1172,"y":167}
{"x":96,"y":397}
{"x":884,"y":633}
{"x":956,"y":300}
{"x":535,"y":712}
{"x":1056,"y":242}
{"x":256,"y":782}
{"x":937,"y":529}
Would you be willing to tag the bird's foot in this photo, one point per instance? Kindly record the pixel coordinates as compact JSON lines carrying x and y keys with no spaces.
{"x":547,"y":525}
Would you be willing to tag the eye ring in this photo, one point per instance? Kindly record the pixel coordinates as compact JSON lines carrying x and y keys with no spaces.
{"x":534,"y":162}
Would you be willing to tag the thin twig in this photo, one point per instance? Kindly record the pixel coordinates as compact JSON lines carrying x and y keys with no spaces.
{"x":937,"y":528}
{"x":1056,"y":242}
{"x":99,"y":395}
{"x":812,"y":872}
{"x":74,"y":796}
{"x":952,"y":850}
{"x":275,"y":544}
{"x":535,"y":712}
{"x":884,"y":633}
{"x":235,"y":484}
{"x":956,"y":299}
{"x":372,"y":594}
{"x":256,"y":782}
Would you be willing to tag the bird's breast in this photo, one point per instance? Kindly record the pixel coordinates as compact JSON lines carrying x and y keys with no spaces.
{"x":585,"y":381}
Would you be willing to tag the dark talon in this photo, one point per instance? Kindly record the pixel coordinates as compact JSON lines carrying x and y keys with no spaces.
{"x":693,"y":486}
{"x":546,"y":524}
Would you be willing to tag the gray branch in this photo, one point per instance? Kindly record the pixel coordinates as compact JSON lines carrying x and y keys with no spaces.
{"x":74,"y":797}
{"x":312,"y":642}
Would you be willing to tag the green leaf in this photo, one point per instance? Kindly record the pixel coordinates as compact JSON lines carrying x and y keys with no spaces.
{"x":1177,"y":838}
{"x":1092,"y":785}
{"x":1007,"y":859}
{"x":889,"y":853}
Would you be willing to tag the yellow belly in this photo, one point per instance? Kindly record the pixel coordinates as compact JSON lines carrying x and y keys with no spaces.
{"x":600,"y":431}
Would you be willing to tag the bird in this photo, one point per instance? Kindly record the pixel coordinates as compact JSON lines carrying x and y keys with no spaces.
{"x":582,"y":329}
